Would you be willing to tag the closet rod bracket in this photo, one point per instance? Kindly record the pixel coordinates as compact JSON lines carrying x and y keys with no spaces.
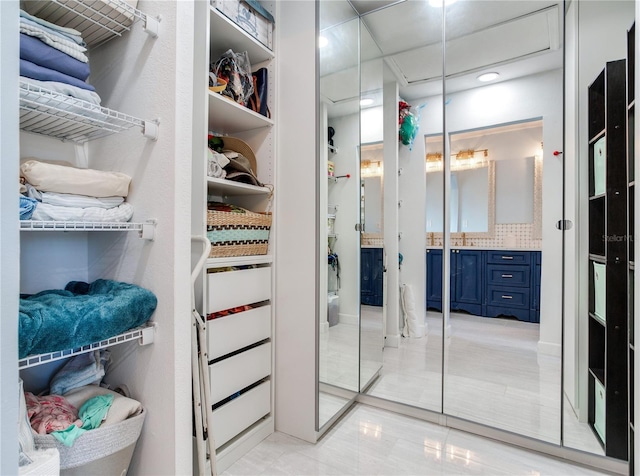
{"x":148,"y":231}
{"x":152,"y":25}
{"x":148,"y":334}
{"x":150,"y":129}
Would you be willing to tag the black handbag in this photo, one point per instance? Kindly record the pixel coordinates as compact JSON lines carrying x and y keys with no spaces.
{"x":258,"y":100}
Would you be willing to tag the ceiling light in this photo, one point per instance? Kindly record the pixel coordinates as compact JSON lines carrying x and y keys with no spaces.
{"x":366,"y":102}
{"x":438,"y":3}
{"x":322,"y":42}
{"x":488,"y":77}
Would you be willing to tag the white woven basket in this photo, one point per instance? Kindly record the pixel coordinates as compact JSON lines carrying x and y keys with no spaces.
{"x":95,"y":444}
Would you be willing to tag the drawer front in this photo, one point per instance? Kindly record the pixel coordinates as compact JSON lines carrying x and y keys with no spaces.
{"x":516,"y":275}
{"x":508,"y":297}
{"x":235,"y":331}
{"x":600,"y":414}
{"x":240,"y":413}
{"x":509,"y":257}
{"x":229,"y":289}
{"x":231,"y":375}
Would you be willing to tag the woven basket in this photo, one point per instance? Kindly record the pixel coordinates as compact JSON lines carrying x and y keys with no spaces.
{"x":238,"y":234}
{"x":95,"y":444}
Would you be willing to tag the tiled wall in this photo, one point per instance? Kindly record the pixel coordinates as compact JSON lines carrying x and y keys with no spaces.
{"x":506,"y":236}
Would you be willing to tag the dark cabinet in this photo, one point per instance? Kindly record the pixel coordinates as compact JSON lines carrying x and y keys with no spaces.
{"x":488,"y":283}
{"x":466,"y":280}
{"x":371,"y":276}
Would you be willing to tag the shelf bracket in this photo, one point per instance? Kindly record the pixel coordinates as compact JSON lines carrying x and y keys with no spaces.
{"x":148,"y":231}
{"x":152,"y":25}
{"x":148,"y":334}
{"x":150,"y":129}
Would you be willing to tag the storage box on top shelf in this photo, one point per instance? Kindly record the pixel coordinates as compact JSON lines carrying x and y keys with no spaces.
{"x":250,"y":16}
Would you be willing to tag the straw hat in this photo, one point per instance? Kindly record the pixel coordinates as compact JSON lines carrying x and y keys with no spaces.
{"x":243,"y":167}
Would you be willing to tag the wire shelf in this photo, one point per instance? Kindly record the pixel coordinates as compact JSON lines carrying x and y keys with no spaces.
{"x":34,"y":225}
{"x":98,"y":21}
{"x":46,"y":112}
{"x":144,"y":333}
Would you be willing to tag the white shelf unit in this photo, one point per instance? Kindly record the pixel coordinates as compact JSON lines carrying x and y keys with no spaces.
{"x":98,"y":21}
{"x":241,"y":379}
{"x":58,"y":116}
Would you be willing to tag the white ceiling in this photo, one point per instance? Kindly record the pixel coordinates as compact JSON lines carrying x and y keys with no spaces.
{"x":514,"y":38}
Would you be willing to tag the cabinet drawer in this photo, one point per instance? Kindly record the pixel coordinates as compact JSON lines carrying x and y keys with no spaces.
{"x":240,"y":413}
{"x":231,"y":375}
{"x":230,"y":289}
{"x":516,"y":275}
{"x":508,"y":297}
{"x":600,"y":414}
{"x":509,"y":257}
{"x":235,"y":331}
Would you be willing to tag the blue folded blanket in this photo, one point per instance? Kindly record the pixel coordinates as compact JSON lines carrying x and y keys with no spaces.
{"x":38,"y":52}
{"x":80,"y":314}
{"x":34,"y":71}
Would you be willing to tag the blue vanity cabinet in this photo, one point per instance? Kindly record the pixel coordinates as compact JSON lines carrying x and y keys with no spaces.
{"x":434,"y":279}
{"x":509,"y":289}
{"x":371,"y":276}
{"x":535,"y":279}
{"x":467,"y":284}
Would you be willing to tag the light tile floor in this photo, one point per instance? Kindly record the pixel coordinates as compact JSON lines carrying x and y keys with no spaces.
{"x":371,"y":441}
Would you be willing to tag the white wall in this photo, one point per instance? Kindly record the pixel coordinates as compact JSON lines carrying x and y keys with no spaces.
{"x":296,"y":222}
{"x":514,"y":190}
{"x":345,"y":193}
{"x":9,"y":251}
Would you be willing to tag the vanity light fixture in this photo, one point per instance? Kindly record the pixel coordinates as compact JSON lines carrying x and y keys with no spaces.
{"x":366,"y":101}
{"x":370,"y":169}
{"x":463,"y":160}
{"x":322,"y":41}
{"x":488,"y":76}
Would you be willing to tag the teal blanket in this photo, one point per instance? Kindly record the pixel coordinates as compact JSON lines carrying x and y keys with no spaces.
{"x":80,"y":314}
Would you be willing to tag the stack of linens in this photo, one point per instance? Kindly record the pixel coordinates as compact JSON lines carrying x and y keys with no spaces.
{"x":53,"y":57}
{"x":64,"y":193}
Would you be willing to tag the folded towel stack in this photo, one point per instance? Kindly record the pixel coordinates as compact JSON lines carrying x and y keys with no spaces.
{"x":56,"y":56}
{"x":64,"y":193}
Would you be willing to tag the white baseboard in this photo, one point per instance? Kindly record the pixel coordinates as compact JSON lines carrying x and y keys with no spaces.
{"x":348,"y":319}
{"x":392,"y":340}
{"x":324,"y":327}
{"x":549,"y":348}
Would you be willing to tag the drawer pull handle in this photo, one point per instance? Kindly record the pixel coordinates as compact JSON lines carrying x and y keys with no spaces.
{"x":507,"y":297}
{"x":507,"y":257}
{"x":507,"y":275}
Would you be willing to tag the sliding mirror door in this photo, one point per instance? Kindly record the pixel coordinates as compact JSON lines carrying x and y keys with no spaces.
{"x":408,"y":63}
{"x":596,"y":345}
{"x":339,"y":208}
{"x":504,"y":102}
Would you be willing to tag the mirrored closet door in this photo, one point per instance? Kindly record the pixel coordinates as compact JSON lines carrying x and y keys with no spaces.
{"x":339,"y":213}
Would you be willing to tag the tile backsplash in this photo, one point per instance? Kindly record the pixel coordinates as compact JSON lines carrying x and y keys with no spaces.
{"x":506,"y":236}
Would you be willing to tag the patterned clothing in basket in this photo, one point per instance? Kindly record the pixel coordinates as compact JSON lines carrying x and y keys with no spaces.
{"x":50,"y":413}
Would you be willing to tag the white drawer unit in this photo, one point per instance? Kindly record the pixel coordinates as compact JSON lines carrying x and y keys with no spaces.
{"x":231,"y":375}
{"x":229,"y":289}
{"x":240,"y":413}
{"x":236,"y":331}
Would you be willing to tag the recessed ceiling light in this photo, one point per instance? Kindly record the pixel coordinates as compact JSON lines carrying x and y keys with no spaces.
{"x":488,"y":77}
{"x":322,"y":42}
{"x":366,"y":102}
{"x":438,"y":3}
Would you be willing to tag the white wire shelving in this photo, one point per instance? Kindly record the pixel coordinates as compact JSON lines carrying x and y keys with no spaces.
{"x":98,"y":21}
{"x":144,"y":333}
{"x":145,"y":230}
{"x":47,"y":112}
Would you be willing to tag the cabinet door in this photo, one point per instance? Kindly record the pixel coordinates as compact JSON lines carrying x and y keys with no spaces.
{"x":434,"y":279}
{"x":377,"y":276}
{"x":468,"y":276}
{"x":367,"y":266}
